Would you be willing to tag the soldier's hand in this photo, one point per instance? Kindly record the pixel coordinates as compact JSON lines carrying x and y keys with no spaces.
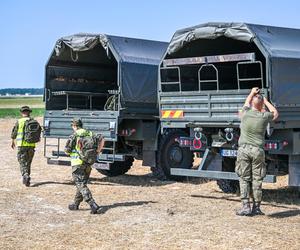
{"x":255,"y":91}
{"x":13,"y":145}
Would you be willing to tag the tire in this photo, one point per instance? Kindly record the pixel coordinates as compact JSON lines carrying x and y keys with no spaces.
{"x":118,"y":167}
{"x":228,"y":186}
{"x":170,"y":155}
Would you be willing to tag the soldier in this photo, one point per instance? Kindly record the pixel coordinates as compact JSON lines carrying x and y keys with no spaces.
{"x":250,"y":165}
{"x":80,"y":170}
{"x":25,"y":149}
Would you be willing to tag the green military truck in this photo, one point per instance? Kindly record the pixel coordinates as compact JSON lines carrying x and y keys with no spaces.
{"x":110,"y":82}
{"x":205,"y":76}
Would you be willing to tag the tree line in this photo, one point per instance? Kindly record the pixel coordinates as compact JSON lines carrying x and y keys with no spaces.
{"x":22,"y":91}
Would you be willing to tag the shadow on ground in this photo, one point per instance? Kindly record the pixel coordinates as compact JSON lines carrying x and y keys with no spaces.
{"x":37,"y":184}
{"x":71,"y":183}
{"x":104,"y":209}
{"x":146,"y":180}
{"x":285,"y":214}
{"x":132,"y":180}
{"x":286,"y":196}
{"x":196,"y":180}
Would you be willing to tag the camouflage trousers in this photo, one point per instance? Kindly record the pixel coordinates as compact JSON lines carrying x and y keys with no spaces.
{"x":81,"y":175}
{"x":251,"y":168}
{"x":25,"y":156}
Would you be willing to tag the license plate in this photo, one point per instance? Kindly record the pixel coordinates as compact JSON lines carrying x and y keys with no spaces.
{"x":229,"y":152}
{"x":101,"y":165}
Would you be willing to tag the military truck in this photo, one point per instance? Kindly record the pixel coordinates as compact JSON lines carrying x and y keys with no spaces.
{"x":109,"y":82}
{"x":205,"y":76}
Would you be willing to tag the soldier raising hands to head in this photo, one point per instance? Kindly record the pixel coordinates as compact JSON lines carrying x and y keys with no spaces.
{"x":250,"y":164}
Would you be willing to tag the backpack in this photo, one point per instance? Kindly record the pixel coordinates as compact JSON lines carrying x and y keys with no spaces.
{"x":88,"y":148}
{"x":32,"y":131}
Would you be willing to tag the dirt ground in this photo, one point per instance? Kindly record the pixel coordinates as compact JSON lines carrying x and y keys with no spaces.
{"x":140,"y":212}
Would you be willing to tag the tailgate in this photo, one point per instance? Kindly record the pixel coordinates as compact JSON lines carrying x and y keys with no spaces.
{"x":207,"y":108}
{"x":57,"y":123}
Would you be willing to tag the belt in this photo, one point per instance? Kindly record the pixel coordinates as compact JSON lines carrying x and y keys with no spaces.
{"x":249,"y":145}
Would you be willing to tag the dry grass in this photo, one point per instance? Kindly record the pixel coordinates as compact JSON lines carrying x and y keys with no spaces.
{"x":17,"y":102}
{"x":141,"y":213}
{"x":9,"y":107}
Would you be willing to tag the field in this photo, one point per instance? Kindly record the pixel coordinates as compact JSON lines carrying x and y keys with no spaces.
{"x":9,"y":107}
{"x":139,"y":211}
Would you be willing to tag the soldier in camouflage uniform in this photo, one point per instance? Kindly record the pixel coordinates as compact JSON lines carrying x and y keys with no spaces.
{"x":80,"y":170}
{"x":250,"y":165}
{"x":25,"y":149}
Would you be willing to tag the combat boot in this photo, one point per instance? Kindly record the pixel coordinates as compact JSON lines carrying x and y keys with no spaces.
{"x":73,"y":206}
{"x":245,"y":210}
{"x":26,"y":180}
{"x":256,"y":209}
{"x":95,"y":209}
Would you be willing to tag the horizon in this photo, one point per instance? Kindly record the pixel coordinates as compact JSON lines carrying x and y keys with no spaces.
{"x":22,"y":88}
{"x":33,"y":27}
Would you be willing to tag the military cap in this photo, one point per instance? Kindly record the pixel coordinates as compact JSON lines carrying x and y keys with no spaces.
{"x":77,"y":122}
{"x":25,"y":108}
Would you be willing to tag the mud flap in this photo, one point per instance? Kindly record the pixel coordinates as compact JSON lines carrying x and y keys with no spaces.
{"x":294,"y":170}
{"x":58,"y":162}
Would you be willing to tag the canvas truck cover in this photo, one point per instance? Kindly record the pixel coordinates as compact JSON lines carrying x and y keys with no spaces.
{"x":138,"y":61}
{"x":280,"y":46}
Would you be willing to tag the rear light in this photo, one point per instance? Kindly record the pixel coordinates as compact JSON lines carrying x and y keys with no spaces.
{"x":275,"y":145}
{"x":184,"y":141}
{"x":271,"y":145}
{"x":127,"y":132}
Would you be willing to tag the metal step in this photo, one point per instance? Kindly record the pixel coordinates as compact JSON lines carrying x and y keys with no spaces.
{"x":214,"y":174}
{"x":58,"y":162}
{"x":111,"y":157}
{"x":212,"y":161}
{"x":59,"y":153}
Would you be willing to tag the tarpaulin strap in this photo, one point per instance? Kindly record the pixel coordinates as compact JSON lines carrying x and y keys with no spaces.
{"x":76,"y":55}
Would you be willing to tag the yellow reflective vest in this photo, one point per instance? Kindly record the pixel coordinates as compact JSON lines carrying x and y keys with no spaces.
{"x":75,"y":159}
{"x":20,"y":134}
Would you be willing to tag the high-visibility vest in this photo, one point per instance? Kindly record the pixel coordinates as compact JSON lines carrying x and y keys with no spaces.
{"x":75,"y":159}
{"x":20,"y":135}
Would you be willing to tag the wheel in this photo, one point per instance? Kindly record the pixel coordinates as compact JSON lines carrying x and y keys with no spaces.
{"x":118,"y":167}
{"x":171,"y":155}
{"x":228,"y":186}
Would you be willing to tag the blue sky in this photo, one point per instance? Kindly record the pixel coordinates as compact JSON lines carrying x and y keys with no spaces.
{"x":30,"y":28}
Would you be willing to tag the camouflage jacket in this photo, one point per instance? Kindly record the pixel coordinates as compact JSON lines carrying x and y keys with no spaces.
{"x":14,"y":131}
{"x":70,"y":144}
